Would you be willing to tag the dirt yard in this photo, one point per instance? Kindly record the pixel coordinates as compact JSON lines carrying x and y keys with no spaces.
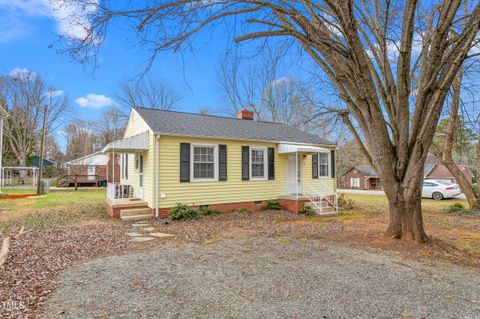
{"x":262,"y":277}
{"x":60,"y":237}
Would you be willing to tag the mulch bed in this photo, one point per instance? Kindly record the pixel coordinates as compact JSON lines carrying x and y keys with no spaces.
{"x":36,"y":258}
{"x":242,"y":224}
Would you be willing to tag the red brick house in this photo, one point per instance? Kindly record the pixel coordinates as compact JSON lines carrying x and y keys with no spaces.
{"x":362,"y":177}
{"x":440,"y":172}
{"x":366,"y":178}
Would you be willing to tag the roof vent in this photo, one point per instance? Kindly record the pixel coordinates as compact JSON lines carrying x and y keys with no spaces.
{"x":245,"y":115}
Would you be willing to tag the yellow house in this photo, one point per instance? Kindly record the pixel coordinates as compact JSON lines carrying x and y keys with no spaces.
{"x":219,"y":162}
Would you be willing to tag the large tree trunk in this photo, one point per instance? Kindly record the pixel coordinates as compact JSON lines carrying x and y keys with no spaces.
{"x":406,"y":213}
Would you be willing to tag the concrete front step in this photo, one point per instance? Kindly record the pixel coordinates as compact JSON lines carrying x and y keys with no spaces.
{"x":136,"y":213}
{"x":326,"y":209}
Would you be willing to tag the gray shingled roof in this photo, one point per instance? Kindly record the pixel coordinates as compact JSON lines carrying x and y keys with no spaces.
{"x":181,"y":123}
{"x":366,"y":170}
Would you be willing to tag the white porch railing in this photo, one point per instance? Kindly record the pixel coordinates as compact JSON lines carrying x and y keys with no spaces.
{"x":321,"y":195}
{"x":117,"y":191}
{"x":322,"y":198}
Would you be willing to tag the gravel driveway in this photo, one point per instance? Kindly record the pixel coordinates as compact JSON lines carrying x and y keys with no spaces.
{"x":264,"y":278}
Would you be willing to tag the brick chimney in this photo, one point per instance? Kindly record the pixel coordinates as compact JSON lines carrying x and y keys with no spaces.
{"x":245,"y":115}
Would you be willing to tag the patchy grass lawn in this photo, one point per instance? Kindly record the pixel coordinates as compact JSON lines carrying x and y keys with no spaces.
{"x":380,"y":201}
{"x":18,"y":191}
{"x":54,"y":210}
{"x":454,"y":236}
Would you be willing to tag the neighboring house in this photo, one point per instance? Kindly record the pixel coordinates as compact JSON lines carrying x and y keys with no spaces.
{"x":362,"y":177}
{"x":440,"y":172}
{"x":224,"y":163}
{"x":35,"y":159}
{"x":365,"y":177}
{"x":90,"y":170}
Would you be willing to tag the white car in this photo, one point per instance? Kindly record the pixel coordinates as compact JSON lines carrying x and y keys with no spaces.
{"x":439,"y":190}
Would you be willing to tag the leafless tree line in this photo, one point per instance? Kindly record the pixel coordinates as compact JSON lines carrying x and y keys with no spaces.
{"x":263,"y":86}
{"x":24,"y":96}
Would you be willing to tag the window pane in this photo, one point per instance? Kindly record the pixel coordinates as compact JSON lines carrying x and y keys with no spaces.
{"x":258,"y":163}
{"x":323,"y":164}
{"x":203,"y":162}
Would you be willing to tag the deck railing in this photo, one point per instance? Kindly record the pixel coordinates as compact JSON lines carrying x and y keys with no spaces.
{"x":70,"y":180}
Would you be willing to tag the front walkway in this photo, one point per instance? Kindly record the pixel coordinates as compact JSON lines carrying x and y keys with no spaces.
{"x":264,"y":278}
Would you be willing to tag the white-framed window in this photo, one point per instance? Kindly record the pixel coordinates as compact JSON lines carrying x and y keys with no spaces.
{"x":204,"y":162}
{"x":258,"y":163}
{"x":355,"y":182}
{"x":323,"y":164}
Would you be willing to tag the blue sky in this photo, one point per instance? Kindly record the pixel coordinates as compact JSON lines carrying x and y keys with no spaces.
{"x":29,"y":40}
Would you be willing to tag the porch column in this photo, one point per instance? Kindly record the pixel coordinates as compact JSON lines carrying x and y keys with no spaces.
{"x":113,"y":167}
{"x":296,"y":172}
{"x":106,"y":173}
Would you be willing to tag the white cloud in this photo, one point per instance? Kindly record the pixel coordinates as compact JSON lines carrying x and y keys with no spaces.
{"x":54,"y":93}
{"x":95,"y":101}
{"x":71,"y":16}
{"x":22,"y":73}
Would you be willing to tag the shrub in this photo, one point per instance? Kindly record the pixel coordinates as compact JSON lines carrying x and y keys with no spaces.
{"x":208,"y":211}
{"x":455,"y":208}
{"x":272,"y":205}
{"x":183,"y":212}
{"x":345,"y":202}
{"x":307,"y":211}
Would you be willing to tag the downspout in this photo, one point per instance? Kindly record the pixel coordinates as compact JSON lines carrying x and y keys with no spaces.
{"x":107,"y":167}
{"x":157,"y":161}
{"x":113,"y":167}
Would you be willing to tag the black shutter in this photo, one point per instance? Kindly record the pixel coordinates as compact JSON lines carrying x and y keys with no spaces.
{"x":271,"y":163}
{"x":332,"y":161}
{"x":222,"y":162}
{"x":315,"y":166}
{"x":245,"y":163}
{"x":184,"y":162}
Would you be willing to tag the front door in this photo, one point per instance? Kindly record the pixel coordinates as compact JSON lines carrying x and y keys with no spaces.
{"x":294,"y":174}
{"x":91,"y":173}
{"x":140,"y":177}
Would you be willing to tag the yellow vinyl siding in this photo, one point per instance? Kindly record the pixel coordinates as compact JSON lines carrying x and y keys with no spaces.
{"x":137,"y":125}
{"x":308,"y":176}
{"x":214,"y":192}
